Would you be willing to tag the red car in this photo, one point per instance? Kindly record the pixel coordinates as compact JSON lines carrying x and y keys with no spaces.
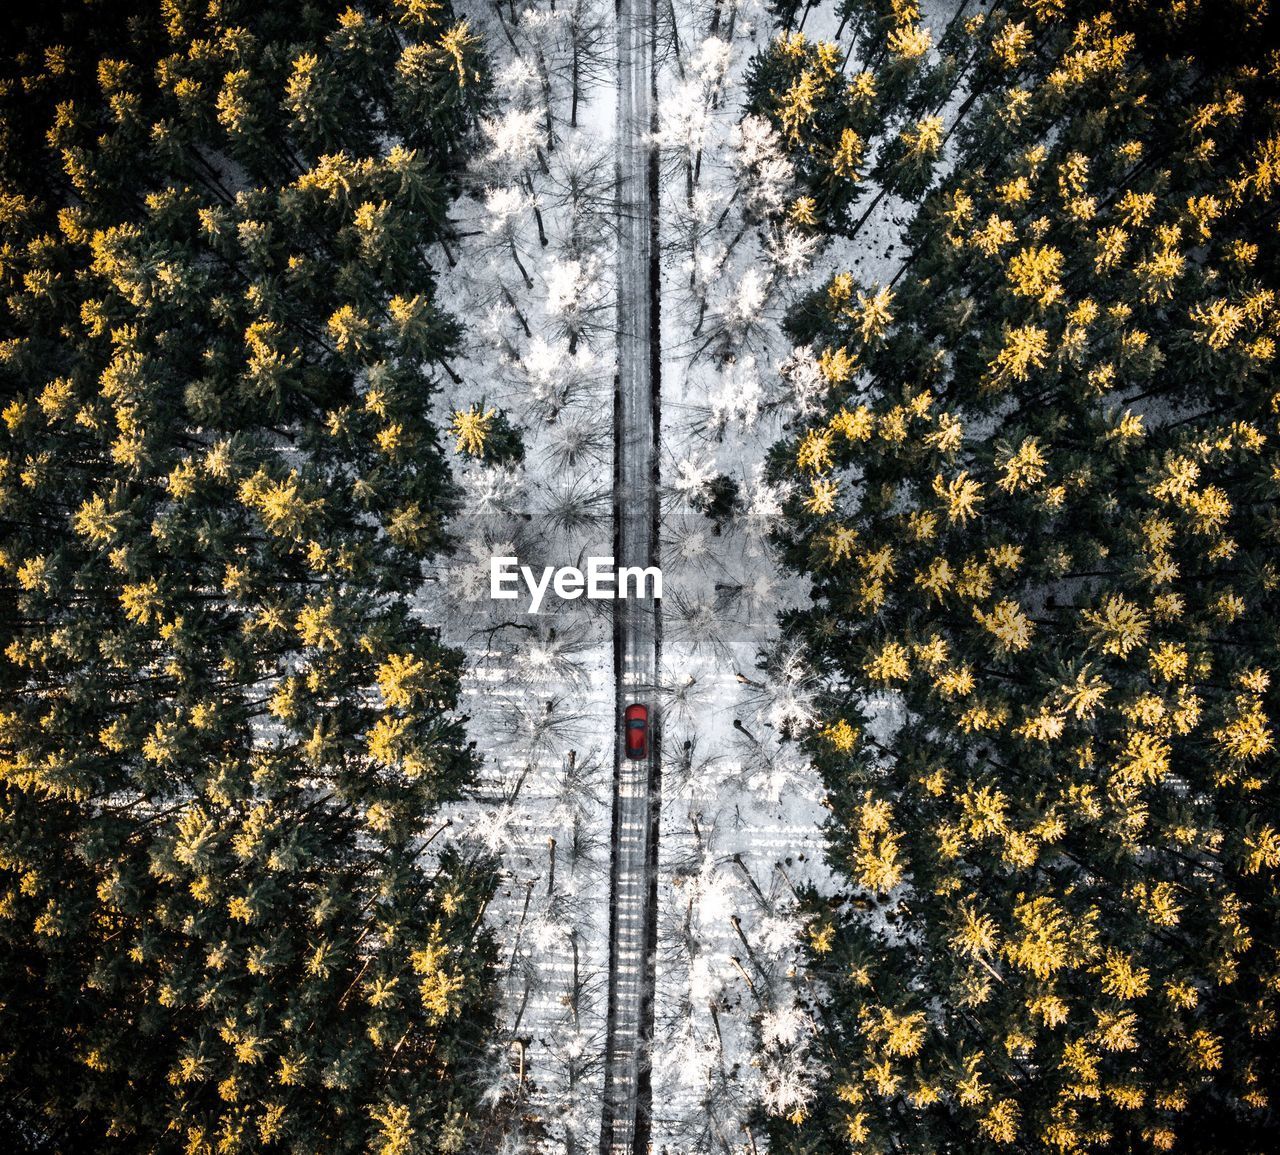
{"x":636,"y":721}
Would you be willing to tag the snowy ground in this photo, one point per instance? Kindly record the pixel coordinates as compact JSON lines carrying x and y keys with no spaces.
{"x":533,"y":282}
{"x":741,"y":808}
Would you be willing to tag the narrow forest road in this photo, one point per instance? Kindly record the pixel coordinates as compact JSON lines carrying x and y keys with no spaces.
{"x":625,"y":1114}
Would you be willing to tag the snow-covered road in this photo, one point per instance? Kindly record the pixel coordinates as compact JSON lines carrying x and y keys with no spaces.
{"x":634,"y":859}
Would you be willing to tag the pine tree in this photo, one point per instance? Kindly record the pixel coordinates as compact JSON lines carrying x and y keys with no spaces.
{"x":225,"y":733}
{"x":1038,"y":511}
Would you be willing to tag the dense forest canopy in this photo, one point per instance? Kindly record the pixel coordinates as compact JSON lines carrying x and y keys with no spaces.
{"x":224,"y":735}
{"x":1039,"y":510}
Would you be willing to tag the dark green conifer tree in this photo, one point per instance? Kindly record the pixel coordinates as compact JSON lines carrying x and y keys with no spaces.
{"x":225,"y":734}
{"x":1039,"y":513}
